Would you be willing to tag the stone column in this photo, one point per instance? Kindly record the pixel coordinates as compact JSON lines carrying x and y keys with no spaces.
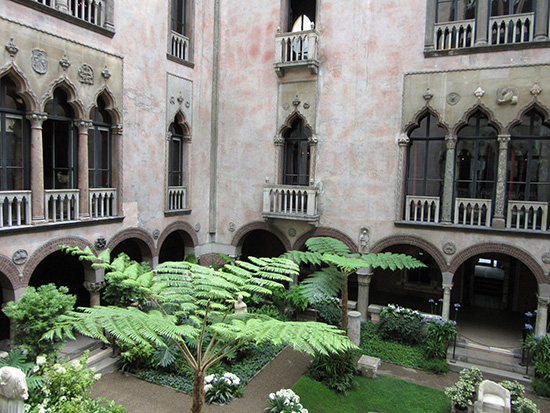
{"x":403,"y":142}
{"x":541,"y":21}
{"x":354,"y":327}
{"x":312,"y":140}
{"x":431,"y":6}
{"x":279,"y":142}
{"x":37,"y":166}
{"x":448,"y":180}
{"x":498,"y":217}
{"x":482,"y":22}
{"x":62,"y":5}
{"x":94,"y":288}
{"x":116,"y":165}
{"x":364,"y":278}
{"x":83,"y":184}
{"x":542,"y":316}
{"x":447,"y":287}
{"x":109,"y":15}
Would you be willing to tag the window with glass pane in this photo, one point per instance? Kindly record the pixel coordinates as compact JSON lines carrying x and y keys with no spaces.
{"x":426,"y":158}
{"x":14,"y":139}
{"x":175,"y":170}
{"x":296,"y":154}
{"x":99,"y":148}
{"x":476,"y":159}
{"x":453,"y":10}
{"x":179,"y":16}
{"x":60,"y":144}
{"x":529,"y":159}
{"x":506,"y":7}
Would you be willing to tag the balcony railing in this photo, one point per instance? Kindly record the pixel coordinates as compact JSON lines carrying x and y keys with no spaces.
{"x":103,"y":202}
{"x":422,"y":208}
{"x":15,"y":208}
{"x":470,"y":211}
{"x":514,"y":28}
{"x":454,"y":35}
{"x":179,"y":46}
{"x":290,"y":202}
{"x":527,"y":215}
{"x":61,"y":205}
{"x":297,"y":49}
{"x":91,"y":11}
{"x":177,"y":198}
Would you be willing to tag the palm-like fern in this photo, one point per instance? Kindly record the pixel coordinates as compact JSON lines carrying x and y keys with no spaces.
{"x":205,"y":297}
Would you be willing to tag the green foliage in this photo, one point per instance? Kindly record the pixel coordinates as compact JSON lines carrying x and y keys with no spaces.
{"x":220,"y":389}
{"x":541,"y":387}
{"x":136,"y":357}
{"x":328,"y":370}
{"x":38,"y":311}
{"x":472,"y":376}
{"x":435,"y":365}
{"x":461,"y":393}
{"x":127,"y":283}
{"x":439,"y":333}
{"x":327,"y":245}
{"x":520,"y":403}
{"x":383,"y":395}
{"x":172,"y":380}
{"x":539,"y":348}
{"x":526,"y":405}
{"x":400,"y":324}
{"x":329,"y":312}
{"x":18,"y":359}
{"x":285,"y":401}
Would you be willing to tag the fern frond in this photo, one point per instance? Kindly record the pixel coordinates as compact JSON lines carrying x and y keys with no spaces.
{"x":322,"y":285}
{"x":304,"y":257}
{"x":392,"y":261}
{"x":327,"y":245}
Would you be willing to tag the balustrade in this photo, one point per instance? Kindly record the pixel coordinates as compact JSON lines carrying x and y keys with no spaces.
{"x":514,"y":28}
{"x":92,"y":11}
{"x":61,"y":205}
{"x":179,"y":46}
{"x":454,"y":35}
{"x":103,"y":202}
{"x":527,"y":215}
{"x":422,"y":208}
{"x":473,"y":212}
{"x":15,"y":208}
{"x":177,"y":198}
{"x":297,"y":49}
{"x":290,"y":201}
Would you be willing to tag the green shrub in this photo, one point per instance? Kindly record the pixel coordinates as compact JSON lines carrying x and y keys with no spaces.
{"x":284,"y":401}
{"x":174,"y":381}
{"x":120,"y":290}
{"x":539,"y":349}
{"x":136,"y":357}
{"x":329,"y":312}
{"x":520,"y":403}
{"x":526,"y":405}
{"x":541,"y":386}
{"x":435,"y":365}
{"x":472,"y":376}
{"x":220,"y":389}
{"x":327,"y":370}
{"x":439,"y":333}
{"x":400,"y":324}
{"x":37,"y":312}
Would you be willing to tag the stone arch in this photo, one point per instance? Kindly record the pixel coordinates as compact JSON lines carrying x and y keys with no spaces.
{"x":241,"y":233}
{"x":110,"y":105}
{"x":325,"y":232}
{"x":23,"y":86}
{"x":415,"y":121}
{"x":530,"y":106}
{"x":136,"y":233}
{"x":515,"y":252}
{"x":50,"y":247}
{"x":72,"y":96}
{"x":181,"y":120}
{"x":12,"y":281}
{"x":290,"y":119}
{"x":430,"y":248}
{"x":177,"y":226}
{"x":473,"y":109}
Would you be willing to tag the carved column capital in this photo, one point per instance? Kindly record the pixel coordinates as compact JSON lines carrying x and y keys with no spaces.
{"x":37,"y":119}
{"x":450,"y":141}
{"x":83,"y":125}
{"x":278,"y":140}
{"x":503,"y":141}
{"x":94,"y":287}
{"x":312,"y":140}
{"x":543,"y":301}
{"x":403,"y":140}
{"x":117,"y":129}
{"x":186,"y":139}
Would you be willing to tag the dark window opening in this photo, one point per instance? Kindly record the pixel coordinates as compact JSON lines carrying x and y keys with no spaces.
{"x":454,"y":10}
{"x":296,"y":154}
{"x":100,"y":148}
{"x":175,"y":164}
{"x":301,"y":15}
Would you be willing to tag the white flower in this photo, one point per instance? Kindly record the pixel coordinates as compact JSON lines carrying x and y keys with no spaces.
{"x":271,"y":396}
{"x":209,"y":378}
{"x":63,"y":399}
{"x":40,"y":360}
{"x":208,"y":387}
{"x":97,"y":376}
{"x":61,"y":370}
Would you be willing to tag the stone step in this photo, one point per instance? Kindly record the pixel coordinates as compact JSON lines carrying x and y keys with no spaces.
{"x":102,"y":360}
{"x":75,"y":348}
{"x":491,"y":373}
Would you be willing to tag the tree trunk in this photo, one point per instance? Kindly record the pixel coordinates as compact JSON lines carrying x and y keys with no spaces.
{"x":198,"y":391}
{"x":344,"y":325}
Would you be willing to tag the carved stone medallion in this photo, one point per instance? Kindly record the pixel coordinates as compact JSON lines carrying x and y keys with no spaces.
{"x":507,"y":96}
{"x":546,"y":258}
{"x":39,"y":61}
{"x":231,"y":226}
{"x":292,"y":232}
{"x":20,"y":257}
{"x":197,"y":227}
{"x":156,"y":234}
{"x":286,"y":106}
{"x":453,"y":98}
{"x":86,"y":74}
{"x":100,"y":243}
{"x":449,"y":248}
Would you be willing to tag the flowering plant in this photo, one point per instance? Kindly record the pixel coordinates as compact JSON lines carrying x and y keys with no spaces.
{"x":439,"y":334}
{"x":221,"y":389}
{"x":461,"y":393}
{"x":285,"y":401}
{"x":400,"y":324}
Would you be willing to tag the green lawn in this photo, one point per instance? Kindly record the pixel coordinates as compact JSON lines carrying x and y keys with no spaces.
{"x":383,"y":395}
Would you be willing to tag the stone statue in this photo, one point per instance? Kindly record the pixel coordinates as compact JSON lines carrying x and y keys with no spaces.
{"x":240,"y":306}
{"x":13,"y":390}
{"x":364,"y":240}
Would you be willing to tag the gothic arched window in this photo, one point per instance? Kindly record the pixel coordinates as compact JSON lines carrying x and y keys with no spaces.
{"x":100,"y":148}
{"x":296,"y":154}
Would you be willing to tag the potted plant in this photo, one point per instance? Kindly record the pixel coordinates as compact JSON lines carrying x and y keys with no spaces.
{"x":461,"y":394}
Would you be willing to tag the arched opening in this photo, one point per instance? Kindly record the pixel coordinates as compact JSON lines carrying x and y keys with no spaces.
{"x":296,"y":159}
{"x":62,"y":269}
{"x":411,"y":288}
{"x":301,"y":15}
{"x":6,"y":296}
{"x":131,"y":248}
{"x":175,"y":247}
{"x":495,"y":291}
{"x":261,"y":243}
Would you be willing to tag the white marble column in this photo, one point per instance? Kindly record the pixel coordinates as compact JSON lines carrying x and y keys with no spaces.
{"x":37,"y":166}
{"x":83,"y":182}
{"x":364,"y":278}
{"x":354,"y":327}
{"x":541,"y":21}
{"x":542,"y":316}
{"x":448,"y":180}
{"x":447,"y":287}
{"x":500,"y":198}
{"x":62,"y":5}
{"x":403,"y":143}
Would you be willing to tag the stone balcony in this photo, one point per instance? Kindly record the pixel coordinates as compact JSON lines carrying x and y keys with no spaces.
{"x":292,"y":202}
{"x":297,"y":50}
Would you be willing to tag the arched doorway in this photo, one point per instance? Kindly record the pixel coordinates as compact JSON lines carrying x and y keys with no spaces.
{"x":261,"y":243}
{"x":6,"y":296}
{"x":176,"y":247}
{"x":62,"y":269}
{"x":130,"y":247}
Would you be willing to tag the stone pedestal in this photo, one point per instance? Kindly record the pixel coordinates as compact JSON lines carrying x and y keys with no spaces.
{"x":354,"y":327}
{"x":368,"y":366}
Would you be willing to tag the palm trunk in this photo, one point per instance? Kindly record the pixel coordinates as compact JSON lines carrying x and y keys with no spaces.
{"x":344,"y":321}
{"x":198,"y":391}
